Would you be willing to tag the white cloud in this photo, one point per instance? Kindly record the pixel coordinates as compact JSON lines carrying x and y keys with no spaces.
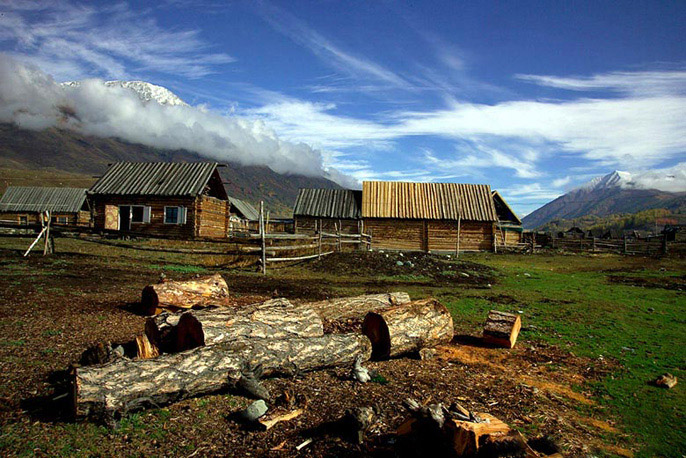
{"x":560,"y":182}
{"x":72,"y":40}
{"x":32,"y":99}
{"x":645,"y":83}
{"x":672,"y":179}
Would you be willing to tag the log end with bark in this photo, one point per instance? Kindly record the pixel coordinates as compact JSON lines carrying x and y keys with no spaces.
{"x":501,"y":329}
{"x":175,"y":295}
{"x":408,"y":328}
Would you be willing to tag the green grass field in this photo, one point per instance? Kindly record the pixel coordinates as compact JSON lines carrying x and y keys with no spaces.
{"x":628,"y":311}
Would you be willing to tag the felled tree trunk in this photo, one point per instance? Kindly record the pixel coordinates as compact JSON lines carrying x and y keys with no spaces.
{"x":177,"y":295}
{"x":502,"y":329}
{"x":106,"y":392}
{"x":275,"y":319}
{"x":344,"y":308}
{"x":408,"y":328}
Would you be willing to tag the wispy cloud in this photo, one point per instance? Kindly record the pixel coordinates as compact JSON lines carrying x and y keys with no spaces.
{"x":645,"y":83}
{"x":331,"y":54}
{"x":73,"y":40}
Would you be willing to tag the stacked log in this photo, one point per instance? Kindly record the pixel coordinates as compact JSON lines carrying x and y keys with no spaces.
{"x":109,"y":391}
{"x":408,"y":328}
{"x":502,"y":329}
{"x":176,"y":295}
{"x":276,"y":319}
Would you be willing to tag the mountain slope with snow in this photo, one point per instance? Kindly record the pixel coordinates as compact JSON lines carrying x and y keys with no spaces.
{"x":147,"y":92}
{"x":616,"y":192}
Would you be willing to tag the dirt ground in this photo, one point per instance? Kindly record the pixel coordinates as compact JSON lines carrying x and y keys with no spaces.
{"x":52,"y":308}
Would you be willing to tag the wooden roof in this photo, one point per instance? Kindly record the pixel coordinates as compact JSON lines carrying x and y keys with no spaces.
{"x":442,"y":201}
{"x":36,"y":199}
{"x":328,"y":203}
{"x":505,"y":213}
{"x":244,"y":208}
{"x":159,"y":179}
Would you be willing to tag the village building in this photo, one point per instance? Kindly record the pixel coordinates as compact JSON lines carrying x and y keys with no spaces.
{"x":328,"y":210}
{"x":572,"y":233}
{"x":509,"y":227}
{"x":242,"y":216}
{"x":435,"y":217}
{"x":185,"y":200}
{"x":26,"y":205}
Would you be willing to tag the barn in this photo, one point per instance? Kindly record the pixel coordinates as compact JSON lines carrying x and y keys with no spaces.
{"x":174,"y":199}
{"x":328,"y":210}
{"x":509,"y":227}
{"x":25,"y":204}
{"x":429,"y":216}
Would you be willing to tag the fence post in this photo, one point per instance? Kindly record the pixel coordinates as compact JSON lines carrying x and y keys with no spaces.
{"x":624,"y":251}
{"x":338,"y":234}
{"x":264,"y":245}
{"x":594,"y":244}
{"x":664,"y":244}
{"x":319,"y":245}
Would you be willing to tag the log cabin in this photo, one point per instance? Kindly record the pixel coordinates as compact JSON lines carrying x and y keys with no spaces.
{"x":509,"y":227}
{"x":328,"y":210}
{"x":25,"y":205}
{"x":169,"y":199}
{"x":436,"y":217}
{"x":242,"y":215}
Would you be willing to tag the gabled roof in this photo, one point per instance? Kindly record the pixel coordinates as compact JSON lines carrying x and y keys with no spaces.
{"x":451,"y":201}
{"x":36,"y":199}
{"x":157,"y":179}
{"x":245,"y":209}
{"x":504,"y":211}
{"x":328,"y":203}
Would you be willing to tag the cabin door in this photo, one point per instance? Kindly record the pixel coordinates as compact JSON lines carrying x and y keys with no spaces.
{"x":124,"y":218}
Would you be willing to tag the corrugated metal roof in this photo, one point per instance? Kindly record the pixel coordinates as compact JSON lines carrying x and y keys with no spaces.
{"x":40,"y":199}
{"x":503,"y":209}
{"x":391,"y":199}
{"x":328,"y":203}
{"x":244,"y":208}
{"x":155,"y":178}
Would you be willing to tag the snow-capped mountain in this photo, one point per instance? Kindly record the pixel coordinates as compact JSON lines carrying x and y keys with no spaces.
{"x":145,"y":91}
{"x":616,"y":192}
{"x":611,"y":180}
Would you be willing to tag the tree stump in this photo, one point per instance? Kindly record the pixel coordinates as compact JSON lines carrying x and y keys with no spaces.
{"x":502,"y":329}
{"x":106,"y":392}
{"x":408,"y":328}
{"x":177,"y":295}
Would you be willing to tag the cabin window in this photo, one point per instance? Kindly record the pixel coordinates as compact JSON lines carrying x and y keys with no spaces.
{"x":174,"y":215}
{"x":140,"y":214}
{"x":60,"y":219}
{"x":24,"y":220}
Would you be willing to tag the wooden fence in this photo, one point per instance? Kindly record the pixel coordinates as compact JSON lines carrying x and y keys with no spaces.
{"x":652,"y":246}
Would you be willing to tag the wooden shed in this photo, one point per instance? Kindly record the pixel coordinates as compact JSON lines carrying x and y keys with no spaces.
{"x":328,"y":210}
{"x":439,"y":217}
{"x":509,"y":228}
{"x":242,"y":215}
{"x":25,"y":204}
{"x":162,"y":198}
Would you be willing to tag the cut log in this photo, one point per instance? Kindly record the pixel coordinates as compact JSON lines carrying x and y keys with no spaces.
{"x":106,"y":392}
{"x":343,"y":308}
{"x":345,"y":314}
{"x":275,"y":318}
{"x":269,"y":420}
{"x":176,"y":295}
{"x":468,"y":438}
{"x":502,"y":329}
{"x":408,"y":328}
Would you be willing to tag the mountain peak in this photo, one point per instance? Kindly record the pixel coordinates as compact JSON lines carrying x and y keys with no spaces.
{"x":145,"y":91}
{"x":616,"y":179}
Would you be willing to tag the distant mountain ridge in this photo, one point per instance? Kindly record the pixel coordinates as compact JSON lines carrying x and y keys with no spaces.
{"x":614,"y":193}
{"x":61,"y":151}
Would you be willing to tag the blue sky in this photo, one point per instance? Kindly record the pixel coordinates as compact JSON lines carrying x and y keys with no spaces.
{"x":533,"y":98}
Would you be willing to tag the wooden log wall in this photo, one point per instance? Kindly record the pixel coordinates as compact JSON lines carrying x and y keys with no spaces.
{"x":212,"y":217}
{"x":156,"y":204}
{"x":511,"y":237}
{"x":81,"y":219}
{"x":432,"y":235}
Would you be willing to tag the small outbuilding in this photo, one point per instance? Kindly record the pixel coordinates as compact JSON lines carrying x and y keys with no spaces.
{"x":509,"y":227}
{"x":174,"y":199}
{"x":242,"y":215}
{"x":328,"y":210}
{"x":25,"y":205}
{"x":429,"y":216}
{"x":574,"y":233}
